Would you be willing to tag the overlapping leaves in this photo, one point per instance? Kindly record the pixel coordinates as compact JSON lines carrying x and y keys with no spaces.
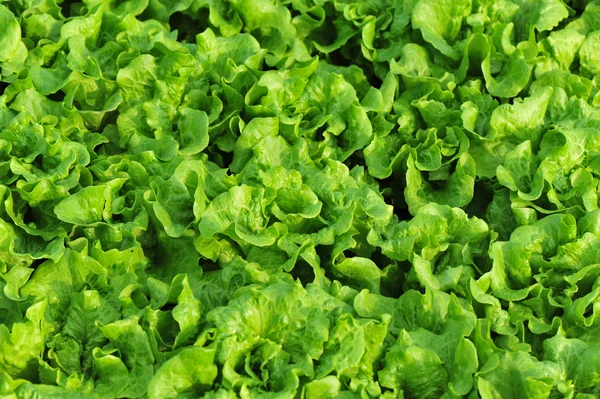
{"x":318,"y":199}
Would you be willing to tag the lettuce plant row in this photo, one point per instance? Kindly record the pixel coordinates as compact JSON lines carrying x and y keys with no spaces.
{"x":299,"y":199}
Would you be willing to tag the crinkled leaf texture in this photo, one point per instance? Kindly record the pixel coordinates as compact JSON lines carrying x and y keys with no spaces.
{"x":315,"y":199}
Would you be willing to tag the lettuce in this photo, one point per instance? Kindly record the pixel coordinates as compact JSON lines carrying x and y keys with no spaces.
{"x":299,"y":199}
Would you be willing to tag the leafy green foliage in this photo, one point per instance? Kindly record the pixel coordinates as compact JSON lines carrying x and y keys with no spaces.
{"x":300,"y":199}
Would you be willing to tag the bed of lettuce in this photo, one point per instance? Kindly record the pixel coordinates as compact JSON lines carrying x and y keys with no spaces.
{"x":300,"y":199}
